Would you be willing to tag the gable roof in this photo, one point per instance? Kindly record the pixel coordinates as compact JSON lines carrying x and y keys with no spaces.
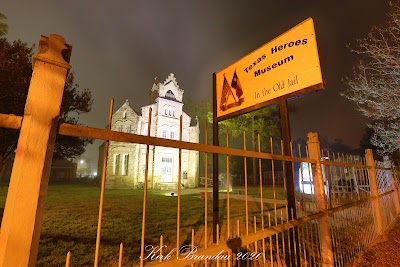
{"x":169,"y":89}
{"x":125,"y":106}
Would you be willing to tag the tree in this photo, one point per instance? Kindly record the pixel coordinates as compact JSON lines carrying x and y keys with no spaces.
{"x":375,"y":85}
{"x":365,"y":142}
{"x":263,"y":122}
{"x":3,"y":25}
{"x":15,"y":75}
{"x":337,"y":146}
{"x":200,"y":110}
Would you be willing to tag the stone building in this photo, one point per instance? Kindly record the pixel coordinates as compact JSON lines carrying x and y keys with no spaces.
{"x":62,"y":170}
{"x":126,"y":162}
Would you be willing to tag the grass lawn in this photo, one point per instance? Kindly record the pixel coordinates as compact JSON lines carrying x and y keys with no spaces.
{"x":71,"y":212}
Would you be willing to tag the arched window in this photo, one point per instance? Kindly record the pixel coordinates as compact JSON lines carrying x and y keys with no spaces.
{"x":125,"y":164}
{"x":116,"y":164}
{"x":128,"y":128}
{"x":164,"y":133}
{"x":119,"y":128}
{"x":173,"y":111}
{"x":169,"y":94}
{"x":124,"y":114}
{"x":170,"y":110}
{"x":165,"y":110}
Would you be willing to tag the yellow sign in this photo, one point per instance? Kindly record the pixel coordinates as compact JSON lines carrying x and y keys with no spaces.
{"x":281,"y":67}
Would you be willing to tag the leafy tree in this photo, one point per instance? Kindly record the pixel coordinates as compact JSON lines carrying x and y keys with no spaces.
{"x":16,"y":70}
{"x":3,"y":25}
{"x":15,"y":75}
{"x":200,"y":110}
{"x":375,"y":85}
{"x":263,"y":122}
{"x":337,"y":146}
{"x":365,"y":142}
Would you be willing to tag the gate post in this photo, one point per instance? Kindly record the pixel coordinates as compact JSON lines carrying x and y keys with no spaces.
{"x":324,"y":228}
{"x":390,"y":170}
{"x":23,"y":213}
{"x":369,"y":157}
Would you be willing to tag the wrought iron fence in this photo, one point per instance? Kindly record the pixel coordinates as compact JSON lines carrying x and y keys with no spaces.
{"x":262,"y":227}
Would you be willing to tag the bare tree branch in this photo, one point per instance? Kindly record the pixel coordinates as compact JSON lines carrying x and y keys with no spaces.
{"x":375,"y":84}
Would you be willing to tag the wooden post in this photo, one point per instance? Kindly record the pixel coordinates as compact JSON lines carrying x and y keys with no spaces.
{"x":324,"y":230}
{"x":23,"y":213}
{"x":374,"y":190}
{"x":388,"y":164}
{"x":289,"y":179}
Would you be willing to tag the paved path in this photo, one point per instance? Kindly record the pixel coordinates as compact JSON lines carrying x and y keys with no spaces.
{"x":197,"y":192}
{"x":385,"y":252}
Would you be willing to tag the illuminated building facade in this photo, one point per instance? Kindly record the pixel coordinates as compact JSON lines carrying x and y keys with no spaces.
{"x":126,"y":162}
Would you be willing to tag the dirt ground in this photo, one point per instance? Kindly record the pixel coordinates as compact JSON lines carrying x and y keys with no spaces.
{"x":385,"y":252}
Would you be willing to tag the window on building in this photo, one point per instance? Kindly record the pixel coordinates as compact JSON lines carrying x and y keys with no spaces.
{"x":128,"y":128}
{"x":116,"y":164}
{"x":169,"y":110}
{"x":166,"y":169}
{"x":170,"y":94}
{"x":164,"y":133}
{"x":185,"y":136}
{"x":144,"y":129}
{"x":172,"y":134}
{"x":166,"y":160}
{"x":124,"y":114}
{"x":119,"y":128}
{"x":125,"y":163}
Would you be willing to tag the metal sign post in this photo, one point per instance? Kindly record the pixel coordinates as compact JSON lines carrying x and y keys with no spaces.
{"x":289,"y":179}
{"x":215,"y":169}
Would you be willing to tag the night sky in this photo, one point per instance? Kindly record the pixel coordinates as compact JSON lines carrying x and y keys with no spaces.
{"x":119,"y":47}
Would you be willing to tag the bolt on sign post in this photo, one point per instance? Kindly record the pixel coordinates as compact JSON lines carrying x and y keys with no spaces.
{"x":23,"y":213}
{"x":284,"y":68}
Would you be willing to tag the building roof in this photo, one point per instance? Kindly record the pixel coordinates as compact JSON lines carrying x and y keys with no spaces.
{"x":169,"y":89}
